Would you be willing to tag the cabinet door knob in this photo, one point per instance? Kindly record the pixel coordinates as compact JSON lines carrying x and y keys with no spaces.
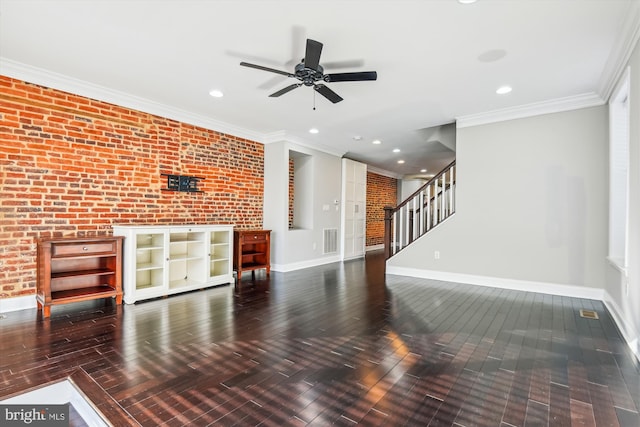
{"x":85,"y":248}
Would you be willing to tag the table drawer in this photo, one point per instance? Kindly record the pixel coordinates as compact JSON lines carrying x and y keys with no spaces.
{"x":82,"y":248}
{"x":254,"y":237}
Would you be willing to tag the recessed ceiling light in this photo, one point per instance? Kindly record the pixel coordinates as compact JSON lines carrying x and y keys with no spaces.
{"x":423,"y":170}
{"x":216,"y":93}
{"x":503,"y":90}
{"x":313,"y":130}
{"x":400,"y":161}
{"x":396,"y":150}
{"x":357,"y":138}
{"x":376,"y":142}
{"x":466,"y":1}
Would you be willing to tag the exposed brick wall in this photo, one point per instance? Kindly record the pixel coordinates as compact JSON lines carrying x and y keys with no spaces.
{"x":75,"y":166}
{"x":291,"y":190}
{"x":381,"y":192}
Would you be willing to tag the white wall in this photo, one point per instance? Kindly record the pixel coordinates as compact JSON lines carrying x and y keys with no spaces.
{"x":300,"y":248}
{"x":276,"y":161}
{"x":531,"y":206}
{"x":409,"y":186}
{"x":626,"y":307}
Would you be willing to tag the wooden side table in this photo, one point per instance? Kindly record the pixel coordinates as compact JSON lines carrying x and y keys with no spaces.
{"x":252,"y":250}
{"x":78,"y":269}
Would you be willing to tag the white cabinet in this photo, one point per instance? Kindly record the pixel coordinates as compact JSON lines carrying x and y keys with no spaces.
{"x":164,"y":260}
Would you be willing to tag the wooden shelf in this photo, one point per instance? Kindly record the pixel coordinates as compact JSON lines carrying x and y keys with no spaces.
{"x":82,"y":294}
{"x":69,"y":274}
{"x":78,"y":269}
{"x":251,"y":253}
{"x":252,"y":266}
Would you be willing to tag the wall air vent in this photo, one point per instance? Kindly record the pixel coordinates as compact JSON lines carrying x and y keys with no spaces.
{"x":330,"y":241}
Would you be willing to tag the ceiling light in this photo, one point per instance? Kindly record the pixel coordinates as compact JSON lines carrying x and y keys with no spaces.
{"x":503,"y":90}
{"x":423,"y":170}
{"x":396,"y":150}
{"x":313,"y":130}
{"x":216,"y":93}
{"x":376,"y":142}
{"x":466,"y":1}
{"x":357,"y":138}
{"x":400,"y":161}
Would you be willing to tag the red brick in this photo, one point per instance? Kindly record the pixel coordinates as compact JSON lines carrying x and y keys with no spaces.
{"x":381,"y":192}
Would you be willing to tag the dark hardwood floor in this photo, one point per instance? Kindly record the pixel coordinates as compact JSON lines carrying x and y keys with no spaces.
{"x":337,"y":344}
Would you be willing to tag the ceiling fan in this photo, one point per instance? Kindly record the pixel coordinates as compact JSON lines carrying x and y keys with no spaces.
{"x":309,"y":72}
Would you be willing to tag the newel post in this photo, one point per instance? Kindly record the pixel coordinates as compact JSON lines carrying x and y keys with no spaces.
{"x":388,"y":217}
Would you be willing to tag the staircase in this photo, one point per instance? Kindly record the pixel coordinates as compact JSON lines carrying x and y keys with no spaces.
{"x":429,"y":206}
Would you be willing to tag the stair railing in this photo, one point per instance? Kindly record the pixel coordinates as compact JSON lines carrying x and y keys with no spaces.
{"x":426,"y":208}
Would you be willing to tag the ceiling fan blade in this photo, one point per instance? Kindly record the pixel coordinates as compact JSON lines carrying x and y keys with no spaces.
{"x":272,"y":70}
{"x":327,"y":93}
{"x":285,"y":90}
{"x":312,"y":54}
{"x":351,"y":77}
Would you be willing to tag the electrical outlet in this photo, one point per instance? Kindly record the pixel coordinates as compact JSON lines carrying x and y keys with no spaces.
{"x":436,"y":255}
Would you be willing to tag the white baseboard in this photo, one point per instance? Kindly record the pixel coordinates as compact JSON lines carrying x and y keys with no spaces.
{"x":628,"y":331}
{"x":283,"y":268}
{"x":496,"y":282}
{"x":17,"y":303}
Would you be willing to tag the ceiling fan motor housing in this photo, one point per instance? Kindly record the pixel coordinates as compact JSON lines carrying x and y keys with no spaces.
{"x":308,"y":76}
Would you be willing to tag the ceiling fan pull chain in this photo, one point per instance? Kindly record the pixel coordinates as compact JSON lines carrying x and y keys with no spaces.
{"x":314,"y":100}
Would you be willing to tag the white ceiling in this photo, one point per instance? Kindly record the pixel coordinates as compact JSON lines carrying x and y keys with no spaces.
{"x":438,"y":61}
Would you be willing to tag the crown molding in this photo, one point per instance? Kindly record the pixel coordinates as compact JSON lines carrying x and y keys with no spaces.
{"x":64,"y":83}
{"x":529,"y":110}
{"x":285,"y":136}
{"x":621,"y":52}
{"x":383,"y":172}
{"x":277,"y":136}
